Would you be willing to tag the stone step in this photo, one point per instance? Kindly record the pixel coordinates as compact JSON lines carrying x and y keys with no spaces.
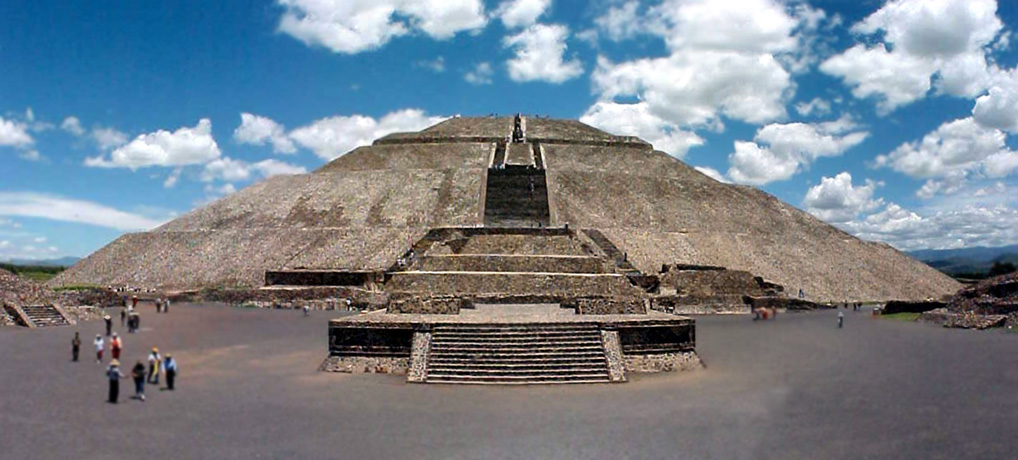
{"x":517,"y":327}
{"x":494,"y":345}
{"x":520,"y":380}
{"x":503,"y":356}
{"x":515,"y":339}
{"x":516,"y":372}
{"x":516,"y":367}
{"x":44,"y":315}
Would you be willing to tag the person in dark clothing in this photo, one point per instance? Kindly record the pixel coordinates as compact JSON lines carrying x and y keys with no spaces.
{"x":109,"y":325}
{"x":114,"y":376}
{"x":123,"y":316}
{"x":75,"y":347}
{"x":170,"y":368}
{"x":138,"y":373}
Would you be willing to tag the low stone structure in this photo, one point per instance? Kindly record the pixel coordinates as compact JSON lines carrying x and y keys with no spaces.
{"x":663,"y":362}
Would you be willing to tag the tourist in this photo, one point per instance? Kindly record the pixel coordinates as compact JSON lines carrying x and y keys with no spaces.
{"x":166,"y":305}
{"x":109,"y":325}
{"x":138,"y":373}
{"x":123,"y":316}
{"x":841,"y":319}
{"x":99,"y":345}
{"x":114,"y":375}
{"x":116,"y":345}
{"x":134,"y":302}
{"x":75,"y":347}
{"x":305,"y":310}
{"x":159,"y":305}
{"x":170,"y":367}
{"x":154,"y":361}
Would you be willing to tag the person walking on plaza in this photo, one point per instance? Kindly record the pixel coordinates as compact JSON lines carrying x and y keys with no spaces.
{"x":75,"y":347}
{"x":109,"y":325}
{"x":170,"y":368}
{"x":99,"y":345}
{"x":166,"y":305}
{"x":116,"y":345}
{"x":138,"y":373}
{"x":305,"y":309}
{"x":114,"y":376}
{"x":154,"y":361}
{"x":159,"y":305}
{"x":123,"y":316}
{"x":841,"y":319}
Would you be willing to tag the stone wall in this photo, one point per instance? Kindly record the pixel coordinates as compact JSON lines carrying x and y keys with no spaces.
{"x":511,"y":263}
{"x":365,"y":365}
{"x":426,"y":305}
{"x":694,"y":305}
{"x":316,"y":298}
{"x":84,"y":313}
{"x":481,"y":284}
{"x":899,"y":306}
{"x":664,"y":362}
{"x":606,"y":306}
{"x":785,"y":303}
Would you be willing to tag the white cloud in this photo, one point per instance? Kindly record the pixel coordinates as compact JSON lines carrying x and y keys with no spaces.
{"x":480,"y":75}
{"x":636,"y":120}
{"x":835,"y":199}
{"x":954,"y":151}
{"x":747,"y":26}
{"x":73,"y":126}
{"x":436,"y":65}
{"x":354,"y":26}
{"x":29,"y":204}
{"x":257,"y":130}
{"x":185,"y":146}
{"x":998,"y":109}
{"x":332,"y":137}
{"x":539,"y":55}
{"x":781,"y":150}
{"x":14,"y":134}
{"x":817,"y":106}
{"x":712,"y":173}
{"x":171,"y":180}
{"x":966,"y":226}
{"x":621,"y":22}
{"x":946,"y":40}
{"x":694,"y":88}
{"x":521,"y":13}
{"x":108,"y":138}
{"x":226,"y":169}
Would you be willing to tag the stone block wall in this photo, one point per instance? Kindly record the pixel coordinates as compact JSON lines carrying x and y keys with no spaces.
{"x":434,"y":305}
{"x":606,"y":306}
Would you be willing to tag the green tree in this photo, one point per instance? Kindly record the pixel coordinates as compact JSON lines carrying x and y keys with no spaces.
{"x":1002,"y":268}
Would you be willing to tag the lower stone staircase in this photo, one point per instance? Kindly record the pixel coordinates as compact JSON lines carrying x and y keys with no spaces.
{"x":44,"y":315}
{"x":517,"y":354}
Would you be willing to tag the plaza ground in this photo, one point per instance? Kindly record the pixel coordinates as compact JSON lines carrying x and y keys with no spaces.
{"x":796,"y":387}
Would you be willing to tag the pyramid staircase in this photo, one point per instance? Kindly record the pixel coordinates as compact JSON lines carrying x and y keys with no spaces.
{"x":520,"y":354}
{"x":44,"y":315}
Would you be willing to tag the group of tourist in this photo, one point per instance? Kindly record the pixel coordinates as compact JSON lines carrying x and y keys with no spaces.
{"x":157,"y":364}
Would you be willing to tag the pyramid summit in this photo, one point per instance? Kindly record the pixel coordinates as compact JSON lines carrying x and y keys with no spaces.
{"x":367,"y":210}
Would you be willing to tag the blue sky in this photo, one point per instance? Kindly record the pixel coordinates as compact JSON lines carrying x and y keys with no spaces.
{"x":895,"y":121}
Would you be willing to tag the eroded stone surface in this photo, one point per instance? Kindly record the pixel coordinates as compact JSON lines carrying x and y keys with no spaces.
{"x":365,"y":365}
{"x":613,"y":353}
{"x":663,"y":362}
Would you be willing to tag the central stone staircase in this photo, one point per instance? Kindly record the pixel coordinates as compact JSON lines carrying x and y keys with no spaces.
{"x":517,"y":354}
{"x":44,"y":315}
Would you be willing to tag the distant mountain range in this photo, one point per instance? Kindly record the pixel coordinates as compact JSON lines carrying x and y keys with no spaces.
{"x":967,"y":260}
{"x":61,"y":262}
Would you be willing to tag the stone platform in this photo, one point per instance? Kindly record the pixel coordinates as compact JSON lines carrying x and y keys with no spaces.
{"x":512,"y":344}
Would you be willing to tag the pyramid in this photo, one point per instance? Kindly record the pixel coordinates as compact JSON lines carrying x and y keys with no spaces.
{"x":367,"y":209}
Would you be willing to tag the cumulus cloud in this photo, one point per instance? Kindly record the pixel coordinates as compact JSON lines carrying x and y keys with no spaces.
{"x":637,"y":120}
{"x":967,"y":226}
{"x":781,"y":150}
{"x":540,"y":55}
{"x":954,"y":151}
{"x":230,"y":170}
{"x":712,"y":173}
{"x":14,"y":134}
{"x":73,"y":126}
{"x":621,"y":22}
{"x":835,"y":199}
{"x":998,"y":109}
{"x":37,"y":205}
{"x":185,"y":146}
{"x":481,"y":74}
{"x":354,"y":26}
{"x":920,"y":40}
{"x":330,"y":138}
{"x":817,"y":106}
{"x":259,"y":130}
{"x":521,"y":13}
{"x":108,"y":138}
